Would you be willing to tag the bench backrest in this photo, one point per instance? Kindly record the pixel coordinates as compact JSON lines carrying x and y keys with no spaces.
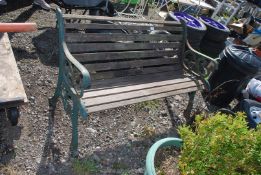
{"x":116,"y":47}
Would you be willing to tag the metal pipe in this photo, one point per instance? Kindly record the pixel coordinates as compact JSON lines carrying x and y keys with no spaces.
{"x":18,"y":27}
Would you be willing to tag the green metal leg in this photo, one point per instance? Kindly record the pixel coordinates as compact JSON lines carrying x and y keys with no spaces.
{"x":74,"y":119}
{"x":188,"y":110}
{"x":192,"y":96}
{"x":53,"y":100}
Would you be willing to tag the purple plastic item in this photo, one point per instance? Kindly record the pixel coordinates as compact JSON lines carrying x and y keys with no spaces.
{"x":83,"y":3}
{"x":190,"y":20}
{"x":214,"y":23}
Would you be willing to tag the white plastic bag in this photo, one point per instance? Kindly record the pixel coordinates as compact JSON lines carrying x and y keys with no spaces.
{"x":254,"y":89}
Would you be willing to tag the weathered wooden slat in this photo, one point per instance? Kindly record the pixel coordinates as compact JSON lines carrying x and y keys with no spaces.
{"x":136,"y":79}
{"x":115,"y":37}
{"x":82,"y":26}
{"x":104,"y":56}
{"x":132,"y":72}
{"x":112,"y":91}
{"x":137,"y":100}
{"x":102,"y":47}
{"x":112,"y":19}
{"x":129,"y":64}
{"x":120,"y":96}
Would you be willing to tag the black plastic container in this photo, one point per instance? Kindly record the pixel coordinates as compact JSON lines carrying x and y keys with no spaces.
{"x":237,"y":63}
{"x":213,"y":42}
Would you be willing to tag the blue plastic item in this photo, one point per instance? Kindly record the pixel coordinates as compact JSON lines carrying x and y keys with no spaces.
{"x":253,"y":110}
{"x":214,"y":23}
{"x":190,"y":20}
{"x":257,"y":31}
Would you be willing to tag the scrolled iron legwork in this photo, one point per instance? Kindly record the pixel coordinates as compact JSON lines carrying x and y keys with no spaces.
{"x":69,"y":88}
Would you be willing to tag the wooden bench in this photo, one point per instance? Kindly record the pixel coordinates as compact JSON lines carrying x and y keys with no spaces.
{"x":105,"y":65}
{"x":12,"y":93}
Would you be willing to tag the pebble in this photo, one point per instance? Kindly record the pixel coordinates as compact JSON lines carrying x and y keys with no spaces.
{"x":164,"y":113}
{"x":140,"y":170}
{"x":178,"y":97}
{"x":131,"y":137}
{"x":32,"y":98}
{"x":63,"y":160}
{"x":133,"y":123}
{"x":93,"y":131}
{"x":38,"y":160}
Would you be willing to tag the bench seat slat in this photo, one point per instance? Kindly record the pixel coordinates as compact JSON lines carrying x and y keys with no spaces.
{"x":82,"y":26}
{"x":132,"y":72}
{"x":90,"y":57}
{"x":119,"y":96}
{"x":125,"y":98}
{"x":136,"y":79}
{"x":137,"y":100}
{"x":118,"y":90}
{"x":103,"y":47}
{"x":95,"y":67}
{"x":115,"y":37}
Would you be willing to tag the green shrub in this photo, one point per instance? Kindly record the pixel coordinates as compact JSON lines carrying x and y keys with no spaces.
{"x":220,"y":144}
{"x":149,"y":105}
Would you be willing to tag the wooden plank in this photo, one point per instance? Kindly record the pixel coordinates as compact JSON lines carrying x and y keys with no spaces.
{"x":137,"y":79}
{"x":104,"y":56}
{"x":113,"y":19}
{"x":130,"y":64}
{"x":115,"y":37}
{"x":137,"y":100}
{"x":121,"y":96}
{"x":102,"y":47}
{"x":82,"y":26}
{"x":133,"y":72}
{"x":11,"y":102}
{"x":11,"y":86}
{"x":118,"y":90}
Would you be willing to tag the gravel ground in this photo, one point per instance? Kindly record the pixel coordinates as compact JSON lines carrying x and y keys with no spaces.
{"x":115,"y":140}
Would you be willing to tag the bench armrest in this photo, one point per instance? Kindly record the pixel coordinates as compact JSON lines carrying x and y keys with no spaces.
{"x":212,"y":60}
{"x":197,"y":56}
{"x":75,"y":74}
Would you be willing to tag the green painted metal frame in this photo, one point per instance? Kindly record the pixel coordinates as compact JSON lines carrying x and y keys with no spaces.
{"x":74,"y":78}
{"x":199,"y":56}
{"x":67,"y":88}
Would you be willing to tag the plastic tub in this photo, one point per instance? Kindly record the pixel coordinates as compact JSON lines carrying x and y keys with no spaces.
{"x":216,"y":31}
{"x":196,"y":29}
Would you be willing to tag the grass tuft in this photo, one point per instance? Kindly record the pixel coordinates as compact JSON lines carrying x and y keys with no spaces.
{"x":84,"y":167}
